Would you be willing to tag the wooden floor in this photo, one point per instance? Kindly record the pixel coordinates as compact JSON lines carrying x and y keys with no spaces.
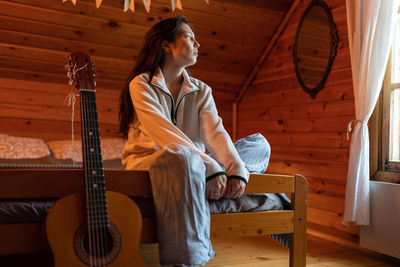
{"x":249,"y":252}
{"x":264,"y":251}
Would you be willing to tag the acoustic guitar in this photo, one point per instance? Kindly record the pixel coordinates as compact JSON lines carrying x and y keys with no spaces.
{"x":95,"y":227}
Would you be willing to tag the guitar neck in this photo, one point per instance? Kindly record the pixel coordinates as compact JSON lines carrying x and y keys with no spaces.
{"x":96,"y":207}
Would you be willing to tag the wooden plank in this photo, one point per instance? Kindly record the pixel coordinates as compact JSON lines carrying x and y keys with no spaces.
{"x":374,"y":124}
{"x":259,"y":183}
{"x":281,"y":61}
{"x":313,"y":110}
{"x":387,"y":177}
{"x":49,"y":112}
{"x":310,"y":154}
{"x":27,"y":25}
{"x":327,"y":187}
{"x":106,"y":100}
{"x":330,"y":219}
{"x":250,"y":224}
{"x":326,"y":202}
{"x":330,"y":171}
{"x":57,"y":43}
{"x":310,"y":140}
{"x":335,"y":74}
{"x":299,"y":204}
{"x":296,"y":96}
{"x":56,"y":73}
{"x":234,"y":122}
{"x":50,"y":130}
{"x":41,"y":183}
{"x":318,"y":125}
{"x":60,"y":58}
{"x":22,"y":238}
{"x":32,"y":75}
{"x":333,"y":235}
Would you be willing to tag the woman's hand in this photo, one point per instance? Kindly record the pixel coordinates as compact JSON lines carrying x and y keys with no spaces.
{"x":234,"y":188}
{"x":215,"y":188}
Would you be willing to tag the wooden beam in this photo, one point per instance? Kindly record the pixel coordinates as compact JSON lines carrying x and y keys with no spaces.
{"x":234,"y":121}
{"x":260,"y":223}
{"x":267,"y":51}
{"x":299,"y":203}
{"x":261,"y":60}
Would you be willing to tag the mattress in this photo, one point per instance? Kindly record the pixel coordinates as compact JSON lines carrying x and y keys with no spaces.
{"x":31,"y":211}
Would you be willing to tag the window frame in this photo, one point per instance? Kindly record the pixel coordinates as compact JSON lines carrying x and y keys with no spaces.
{"x":381,"y":168}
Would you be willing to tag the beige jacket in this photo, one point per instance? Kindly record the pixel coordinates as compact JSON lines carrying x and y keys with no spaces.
{"x":192,"y":121}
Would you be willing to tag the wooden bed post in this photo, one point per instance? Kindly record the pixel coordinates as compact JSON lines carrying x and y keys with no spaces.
{"x":298,"y":247}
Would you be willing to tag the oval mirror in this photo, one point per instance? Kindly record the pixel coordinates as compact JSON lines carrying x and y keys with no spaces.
{"x":315,"y":47}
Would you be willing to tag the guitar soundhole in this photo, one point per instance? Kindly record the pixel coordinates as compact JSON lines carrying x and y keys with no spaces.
{"x":98,"y":249}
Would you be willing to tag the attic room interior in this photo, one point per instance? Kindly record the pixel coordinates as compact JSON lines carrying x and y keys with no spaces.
{"x":318,"y":79}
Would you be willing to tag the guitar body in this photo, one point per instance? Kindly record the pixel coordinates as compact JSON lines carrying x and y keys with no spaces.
{"x":67,"y":233}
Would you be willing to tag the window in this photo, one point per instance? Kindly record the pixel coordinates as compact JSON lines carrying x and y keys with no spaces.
{"x":385,"y":121}
{"x":394,"y":134}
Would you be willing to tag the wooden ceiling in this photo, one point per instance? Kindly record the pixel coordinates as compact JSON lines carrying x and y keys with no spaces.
{"x":36,"y":38}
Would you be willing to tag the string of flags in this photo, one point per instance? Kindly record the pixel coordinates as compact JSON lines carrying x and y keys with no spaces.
{"x":130,"y":4}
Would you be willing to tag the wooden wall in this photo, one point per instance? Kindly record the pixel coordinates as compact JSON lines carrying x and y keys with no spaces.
{"x":38,"y":109}
{"x":36,"y":38}
{"x":307,"y":136}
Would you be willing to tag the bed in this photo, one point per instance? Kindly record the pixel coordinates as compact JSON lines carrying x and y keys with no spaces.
{"x":27,"y":185}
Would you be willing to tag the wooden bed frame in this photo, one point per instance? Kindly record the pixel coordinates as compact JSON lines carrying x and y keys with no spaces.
{"x":55,"y":183}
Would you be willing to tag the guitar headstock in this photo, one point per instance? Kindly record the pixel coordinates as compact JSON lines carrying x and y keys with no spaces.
{"x":81,"y":71}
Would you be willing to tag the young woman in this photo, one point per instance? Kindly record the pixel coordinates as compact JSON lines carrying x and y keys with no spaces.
{"x":170,"y":119}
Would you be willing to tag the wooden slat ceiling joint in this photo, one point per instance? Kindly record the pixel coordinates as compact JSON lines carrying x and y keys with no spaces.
{"x":264,"y":56}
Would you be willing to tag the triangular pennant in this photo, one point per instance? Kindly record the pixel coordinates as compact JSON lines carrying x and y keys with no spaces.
{"x":129,"y":4}
{"x":73,"y":2}
{"x":173,"y":5}
{"x":132,"y":5}
{"x":98,"y":3}
{"x":147,"y":4}
{"x":176,"y":4}
{"x":179,"y":4}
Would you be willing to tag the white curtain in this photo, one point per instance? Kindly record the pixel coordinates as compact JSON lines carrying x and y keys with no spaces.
{"x":370,"y":26}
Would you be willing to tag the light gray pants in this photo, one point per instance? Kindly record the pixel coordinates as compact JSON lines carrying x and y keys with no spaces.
{"x":178,"y":181}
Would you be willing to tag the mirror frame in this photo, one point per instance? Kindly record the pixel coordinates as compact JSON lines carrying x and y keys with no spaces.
{"x":333,"y":49}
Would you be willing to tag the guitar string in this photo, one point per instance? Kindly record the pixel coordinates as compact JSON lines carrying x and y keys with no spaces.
{"x":88,"y":196}
{"x":96,"y":211}
{"x":100,"y":196}
{"x":95,"y":142}
{"x":93,"y":211}
{"x":103,"y":189}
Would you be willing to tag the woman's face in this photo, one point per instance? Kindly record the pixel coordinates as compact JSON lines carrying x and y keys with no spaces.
{"x":184,"y":50}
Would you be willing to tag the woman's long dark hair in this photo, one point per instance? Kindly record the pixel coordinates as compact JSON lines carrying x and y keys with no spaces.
{"x":150,"y":57}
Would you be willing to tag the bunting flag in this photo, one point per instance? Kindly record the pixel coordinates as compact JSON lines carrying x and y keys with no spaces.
{"x":73,"y":2}
{"x":176,"y":4}
{"x":147,"y":4}
{"x":129,"y":4}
